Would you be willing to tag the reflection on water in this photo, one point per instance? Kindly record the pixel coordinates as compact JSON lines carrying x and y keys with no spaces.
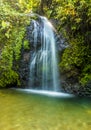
{"x":21,"y":111}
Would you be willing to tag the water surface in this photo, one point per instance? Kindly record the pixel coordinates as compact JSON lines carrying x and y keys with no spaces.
{"x":25,"y":111}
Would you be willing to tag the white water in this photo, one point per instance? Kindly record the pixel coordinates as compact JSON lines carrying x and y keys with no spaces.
{"x":44,"y":64}
{"x":47,"y":93}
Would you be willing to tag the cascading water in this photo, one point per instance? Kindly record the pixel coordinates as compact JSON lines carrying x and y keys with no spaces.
{"x":43,"y":62}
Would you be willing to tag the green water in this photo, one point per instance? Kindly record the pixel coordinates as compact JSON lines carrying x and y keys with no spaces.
{"x":21,"y":111}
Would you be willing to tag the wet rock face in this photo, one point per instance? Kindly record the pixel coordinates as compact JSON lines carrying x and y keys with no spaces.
{"x":72,"y":86}
{"x":61,"y":42}
{"x":31,"y":32}
{"x":24,"y":69}
{"x":26,"y":56}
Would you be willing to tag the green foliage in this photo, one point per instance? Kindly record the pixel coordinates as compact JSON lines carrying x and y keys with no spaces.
{"x":26,"y":44}
{"x":7,"y":74}
{"x":86,"y":74}
{"x":13,"y":24}
{"x":74,"y":54}
{"x":75,"y":23}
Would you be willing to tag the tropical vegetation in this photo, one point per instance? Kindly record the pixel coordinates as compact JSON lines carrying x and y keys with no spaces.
{"x":72,"y":18}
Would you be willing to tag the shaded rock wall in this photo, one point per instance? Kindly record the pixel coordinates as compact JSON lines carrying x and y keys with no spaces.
{"x":26,"y":55}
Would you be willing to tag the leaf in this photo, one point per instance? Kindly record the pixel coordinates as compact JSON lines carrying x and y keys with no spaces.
{"x":4,"y":25}
{"x":78,"y":20}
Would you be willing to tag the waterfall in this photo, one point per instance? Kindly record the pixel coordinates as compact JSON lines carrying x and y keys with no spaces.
{"x":44,"y":72}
